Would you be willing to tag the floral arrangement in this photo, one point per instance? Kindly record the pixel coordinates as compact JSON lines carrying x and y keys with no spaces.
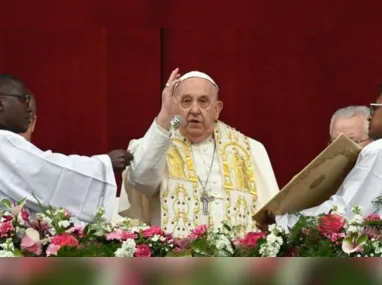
{"x":55,"y":232}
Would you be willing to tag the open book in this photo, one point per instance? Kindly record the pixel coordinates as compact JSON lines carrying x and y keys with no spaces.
{"x":317,"y":182}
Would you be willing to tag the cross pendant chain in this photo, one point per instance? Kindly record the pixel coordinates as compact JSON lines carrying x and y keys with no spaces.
{"x":204,"y":198}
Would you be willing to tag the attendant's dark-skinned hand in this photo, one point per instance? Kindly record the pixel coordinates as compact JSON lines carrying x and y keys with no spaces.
{"x":269,"y":220}
{"x":120,"y":159}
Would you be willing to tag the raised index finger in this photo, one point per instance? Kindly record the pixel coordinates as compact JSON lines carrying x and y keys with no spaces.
{"x":173,"y":75}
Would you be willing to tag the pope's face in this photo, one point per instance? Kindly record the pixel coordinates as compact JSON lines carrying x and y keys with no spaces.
{"x":199,"y":107}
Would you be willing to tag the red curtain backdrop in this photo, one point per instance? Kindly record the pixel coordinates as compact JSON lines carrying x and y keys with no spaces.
{"x":98,"y":88}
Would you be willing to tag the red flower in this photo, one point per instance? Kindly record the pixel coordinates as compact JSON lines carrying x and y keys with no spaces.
{"x":7,"y":218}
{"x":142,"y":250}
{"x":64,"y":239}
{"x":329,"y":224}
{"x":24,"y":215}
{"x":250,"y":240}
{"x":154,"y":230}
{"x":198,"y":232}
{"x":6,"y":229}
{"x":292,"y":252}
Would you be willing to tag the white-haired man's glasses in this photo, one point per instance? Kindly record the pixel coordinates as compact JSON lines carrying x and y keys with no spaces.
{"x":374,"y":106}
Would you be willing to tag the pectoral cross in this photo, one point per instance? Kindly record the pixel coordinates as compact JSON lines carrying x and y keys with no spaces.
{"x":205,"y":201}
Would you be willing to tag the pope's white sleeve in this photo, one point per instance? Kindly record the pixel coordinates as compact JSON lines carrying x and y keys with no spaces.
{"x":148,"y":167}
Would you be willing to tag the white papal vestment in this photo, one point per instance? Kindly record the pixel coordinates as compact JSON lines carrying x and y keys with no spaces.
{"x":361,"y":186}
{"x":78,"y":183}
{"x":164,"y":182}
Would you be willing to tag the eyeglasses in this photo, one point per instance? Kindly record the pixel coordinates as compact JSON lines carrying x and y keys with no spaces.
{"x":374,"y":106}
{"x":24,"y":98}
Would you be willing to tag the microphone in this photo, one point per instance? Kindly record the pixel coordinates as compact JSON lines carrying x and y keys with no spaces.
{"x":176,"y":122}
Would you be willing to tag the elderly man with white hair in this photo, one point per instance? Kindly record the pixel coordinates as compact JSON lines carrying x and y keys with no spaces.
{"x":352,"y":121}
{"x":194,"y":169}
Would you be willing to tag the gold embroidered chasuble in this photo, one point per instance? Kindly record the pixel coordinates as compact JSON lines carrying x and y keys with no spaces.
{"x":181,"y":206}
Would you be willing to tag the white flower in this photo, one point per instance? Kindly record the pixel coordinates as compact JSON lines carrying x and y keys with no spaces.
{"x":357,"y":210}
{"x":339,"y":210}
{"x":63,"y":224}
{"x":5,"y":253}
{"x":354,"y":229}
{"x":20,"y":220}
{"x":8,"y":248}
{"x":127,"y":249}
{"x":43,"y":218}
{"x":155,"y":238}
{"x":8,"y":245}
{"x":271,"y":238}
{"x":357,"y":219}
{"x":220,"y":244}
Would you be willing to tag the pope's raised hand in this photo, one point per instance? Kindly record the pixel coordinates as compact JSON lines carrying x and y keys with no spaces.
{"x":169,"y":101}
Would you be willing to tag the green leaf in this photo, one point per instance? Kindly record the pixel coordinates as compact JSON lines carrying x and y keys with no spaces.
{"x":185,"y":253}
{"x":362,"y":239}
{"x":86,"y":229}
{"x":6,"y":203}
{"x":21,"y":202}
{"x":18,"y":253}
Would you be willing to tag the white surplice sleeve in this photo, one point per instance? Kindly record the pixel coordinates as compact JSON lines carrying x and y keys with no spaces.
{"x":360,"y":187}
{"x":147,"y":169}
{"x":78,"y":183}
{"x":365,"y":180}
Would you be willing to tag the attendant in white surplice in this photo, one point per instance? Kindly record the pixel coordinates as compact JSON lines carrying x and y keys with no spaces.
{"x":78,"y":183}
{"x":203,"y":172}
{"x":364,"y":182}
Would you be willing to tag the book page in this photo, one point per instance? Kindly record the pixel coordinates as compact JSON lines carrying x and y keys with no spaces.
{"x":317,"y":182}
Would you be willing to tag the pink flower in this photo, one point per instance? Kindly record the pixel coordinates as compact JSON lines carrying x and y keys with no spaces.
{"x":372,"y":217}
{"x":142,"y":250}
{"x":372,"y":232}
{"x":64,"y":239}
{"x":329,"y":224}
{"x":121,"y":235}
{"x":79,"y":230}
{"x":198,"y":232}
{"x":250,"y":240}
{"x":6,"y":229}
{"x":334,"y":237}
{"x":67,"y":214}
{"x":154,"y":230}
{"x":52,"y":249}
{"x":31,"y":246}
